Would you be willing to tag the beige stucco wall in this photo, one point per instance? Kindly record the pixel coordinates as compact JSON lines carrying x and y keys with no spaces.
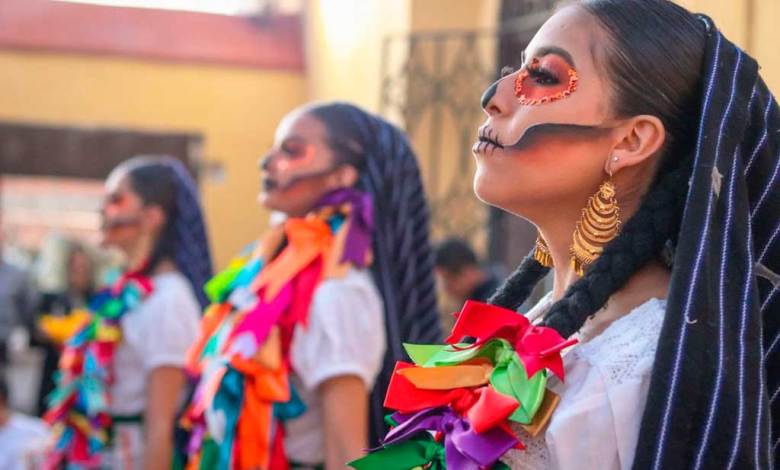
{"x":752,"y":25}
{"x":343,"y":47}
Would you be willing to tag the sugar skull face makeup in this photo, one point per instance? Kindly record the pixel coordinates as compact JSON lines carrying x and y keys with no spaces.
{"x":300,"y":167}
{"x":295,"y":155}
{"x":546,"y":94}
{"x":549,"y":126}
{"x":545,"y":80}
{"x":293,"y":160}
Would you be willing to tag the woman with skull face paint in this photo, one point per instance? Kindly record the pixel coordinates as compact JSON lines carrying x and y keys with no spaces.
{"x":297,"y":347}
{"x":121,"y":373}
{"x":644,"y":147}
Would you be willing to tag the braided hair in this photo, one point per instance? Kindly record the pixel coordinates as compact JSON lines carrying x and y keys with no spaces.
{"x":403,"y":258}
{"x":164,"y":181}
{"x":648,"y":78}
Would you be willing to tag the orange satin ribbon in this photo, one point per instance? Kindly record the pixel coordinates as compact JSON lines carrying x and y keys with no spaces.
{"x":448,"y":377}
{"x":307,"y":239}
{"x":265,"y":383}
{"x":212,"y":319}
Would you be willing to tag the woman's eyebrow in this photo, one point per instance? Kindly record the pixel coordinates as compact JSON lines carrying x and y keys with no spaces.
{"x":546,"y":50}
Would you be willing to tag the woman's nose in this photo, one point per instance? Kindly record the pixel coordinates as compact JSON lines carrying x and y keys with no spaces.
{"x":264,"y":164}
{"x":493,"y":100}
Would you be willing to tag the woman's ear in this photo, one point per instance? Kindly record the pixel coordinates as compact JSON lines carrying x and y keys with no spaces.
{"x":154,"y":218}
{"x":641,"y":137}
{"x":346,"y":176}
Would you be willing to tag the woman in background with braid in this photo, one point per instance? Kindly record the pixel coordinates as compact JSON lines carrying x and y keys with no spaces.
{"x":648,"y":118}
{"x":297,"y":347}
{"x":121,"y":378}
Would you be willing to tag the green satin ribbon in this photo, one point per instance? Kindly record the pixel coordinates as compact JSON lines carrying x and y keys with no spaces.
{"x":218,"y":287}
{"x":509,"y":375}
{"x":418,"y":453}
{"x":414,"y":453}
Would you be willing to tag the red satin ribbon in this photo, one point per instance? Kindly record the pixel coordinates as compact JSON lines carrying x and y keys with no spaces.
{"x":538,"y":347}
{"x":484,"y":407}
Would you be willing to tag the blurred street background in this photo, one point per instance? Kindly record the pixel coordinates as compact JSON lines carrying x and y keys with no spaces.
{"x":85,"y":85}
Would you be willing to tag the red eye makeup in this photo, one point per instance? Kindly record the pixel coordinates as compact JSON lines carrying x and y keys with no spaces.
{"x":296,"y":154}
{"x":116,"y":199}
{"x":545,"y":80}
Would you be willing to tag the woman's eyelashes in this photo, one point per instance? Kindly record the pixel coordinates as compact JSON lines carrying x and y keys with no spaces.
{"x":293,"y":149}
{"x":545,"y":81}
{"x":542,"y":76}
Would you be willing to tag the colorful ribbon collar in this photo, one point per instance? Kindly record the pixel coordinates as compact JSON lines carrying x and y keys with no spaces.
{"x":466,"y":394}
{"x":78,"y":407}
{"x":241,"y":360}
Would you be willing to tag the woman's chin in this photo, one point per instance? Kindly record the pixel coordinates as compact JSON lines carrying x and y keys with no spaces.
{"x":483,"y":189}
{"x":272,"y":201}
{"x":262,"y":199}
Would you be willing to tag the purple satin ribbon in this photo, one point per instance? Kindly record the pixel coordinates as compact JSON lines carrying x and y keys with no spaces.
{"x":361,"y":225}
{"x":465,"y":449}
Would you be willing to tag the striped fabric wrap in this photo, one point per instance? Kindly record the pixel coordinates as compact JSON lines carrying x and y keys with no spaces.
{"x":714,"y":399}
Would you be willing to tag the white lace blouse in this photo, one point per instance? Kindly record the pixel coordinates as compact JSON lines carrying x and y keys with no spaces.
{"x":596,"y":424}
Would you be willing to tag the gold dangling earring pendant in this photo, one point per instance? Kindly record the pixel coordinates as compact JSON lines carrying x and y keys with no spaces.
{"x":542,"y":253}
{"x":600,"y":223}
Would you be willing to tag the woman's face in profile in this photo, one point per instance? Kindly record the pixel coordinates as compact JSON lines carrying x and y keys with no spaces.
{"x":546,"y":137}
{"x":122,"y":213}
{"x":298,"y":170}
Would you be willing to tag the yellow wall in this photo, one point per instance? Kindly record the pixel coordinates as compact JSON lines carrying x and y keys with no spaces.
{"x":752,"y":25}
{"x":235,"y":110}
{"x":766,"y":39}
{"x":344,"y":44}
{"x":442,"y":15}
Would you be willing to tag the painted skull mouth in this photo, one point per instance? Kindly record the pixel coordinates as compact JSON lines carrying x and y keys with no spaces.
{"x":487,"y":140}
{"x":270,"y":184}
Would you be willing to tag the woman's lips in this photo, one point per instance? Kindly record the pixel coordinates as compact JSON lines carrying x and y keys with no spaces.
{"x":270,"y":184}
{"x":487,"y":142}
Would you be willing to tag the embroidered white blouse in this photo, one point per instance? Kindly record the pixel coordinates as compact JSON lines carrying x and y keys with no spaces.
{"x":596,"y":424}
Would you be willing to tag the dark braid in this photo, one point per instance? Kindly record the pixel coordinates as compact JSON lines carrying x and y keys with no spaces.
{"x":518,"y":286}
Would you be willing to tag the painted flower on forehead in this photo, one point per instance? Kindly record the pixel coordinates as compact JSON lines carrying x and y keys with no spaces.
{"x":545,"y":80}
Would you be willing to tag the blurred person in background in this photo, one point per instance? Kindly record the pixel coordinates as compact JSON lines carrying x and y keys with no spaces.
{"x":18,"y":302}
{"x":329,"y":295}
{"x":461,"y":274}
{"x":20,"y":435}
{"x":126,"y":364}
{"x":79,"y":286}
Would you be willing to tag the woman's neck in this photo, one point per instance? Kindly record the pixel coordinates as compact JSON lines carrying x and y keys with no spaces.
{"x":140,"y":255}
{"x":166,"y":265}
{"x":558,"y":237}
{"x":558,"y":232}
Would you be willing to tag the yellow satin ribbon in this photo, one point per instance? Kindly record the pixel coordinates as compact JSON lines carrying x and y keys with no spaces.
{"x":60,"y":328}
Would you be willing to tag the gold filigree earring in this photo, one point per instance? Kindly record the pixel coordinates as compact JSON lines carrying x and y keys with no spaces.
{"x":600,"y":223}
{"x":542,"y":253}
